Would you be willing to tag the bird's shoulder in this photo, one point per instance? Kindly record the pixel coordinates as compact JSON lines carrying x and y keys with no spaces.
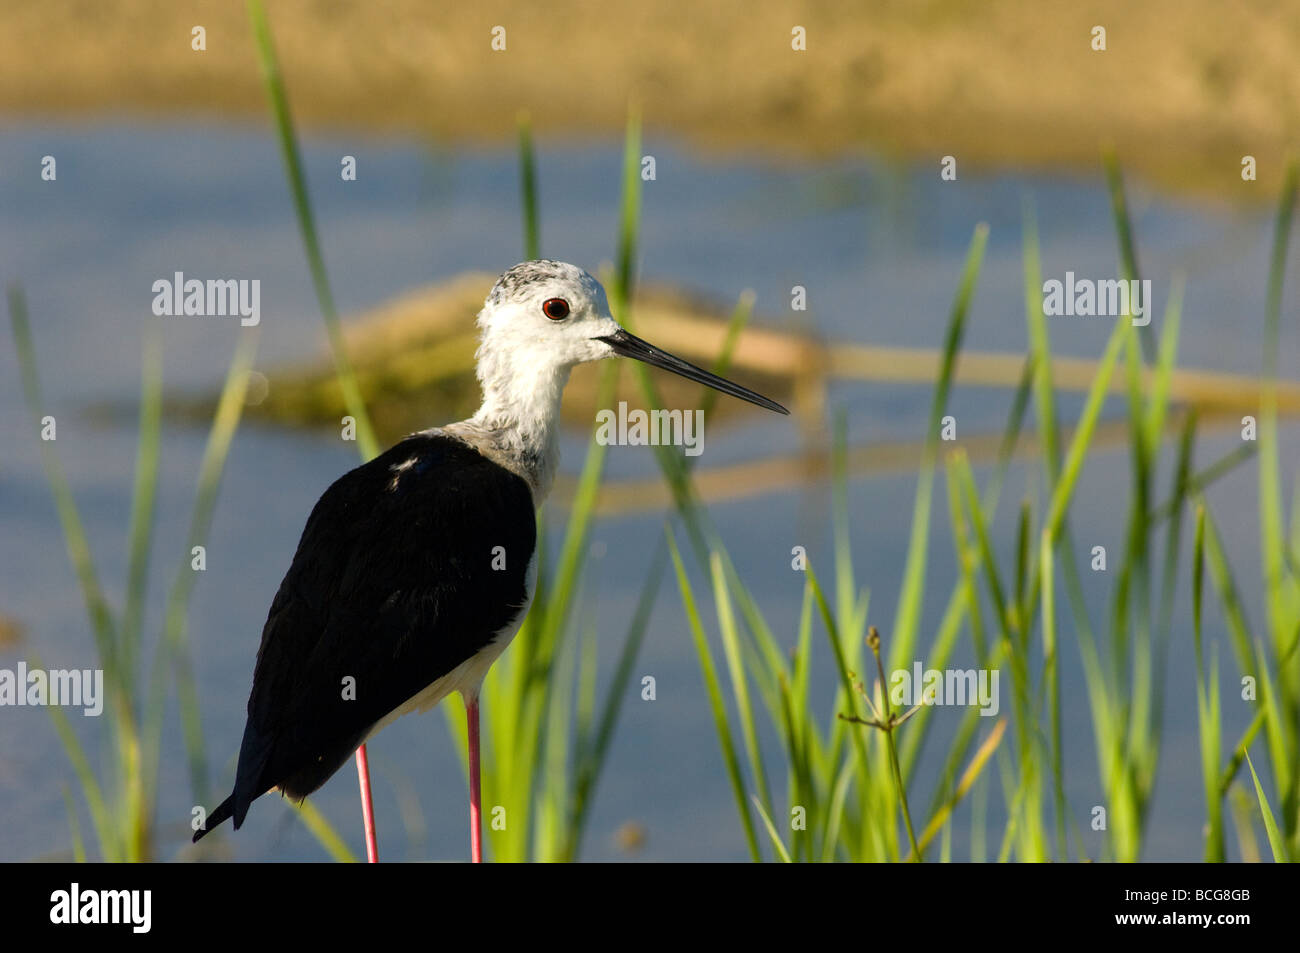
{"x":428,"y":507}
{"x":423,"y":467}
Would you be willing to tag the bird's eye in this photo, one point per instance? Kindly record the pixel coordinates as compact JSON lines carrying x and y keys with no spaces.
{"x":557,"y":309}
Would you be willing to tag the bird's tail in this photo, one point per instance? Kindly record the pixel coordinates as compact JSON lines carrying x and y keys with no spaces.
{"x":224,"y":810}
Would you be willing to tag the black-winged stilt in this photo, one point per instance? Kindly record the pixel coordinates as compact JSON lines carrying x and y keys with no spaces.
{"x":398,"y":590}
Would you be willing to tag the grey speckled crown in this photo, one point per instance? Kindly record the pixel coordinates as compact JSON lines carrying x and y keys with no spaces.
{"x":526,"y":273}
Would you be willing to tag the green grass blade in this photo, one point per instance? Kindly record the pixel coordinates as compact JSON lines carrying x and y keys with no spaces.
{"x":739,"y":683}
{"x":964,"y":598}
{"x":845,"y":586}
{"x":842,"y":668}
{"x":1158,"y":403}
{"x":629,"y":217}
{"x":908,"y":615}
{"x":1128,"y":249}
{"x":143,"y":499}
{"x":323,"y":831}
{"x":74,"y":828}
{"x":74,"y":533}
{"x":588,"y":772}
{"x":1275,"y":841}
{"x":835,"y":813}
{"x":367,"y":443}
{"x":1099,"y":688}
{"x":771,"y":832}
{"x":1281,"y":746}
{"x":554,"y":794}
{"x":172,"y":652}
{"x":106,"y":832}
{"x":1169,"y":569}
{"x":1281,"y":586}
{"x":710,"y":674}
{"x":1234,"y":612}
{"x":1252,"y":730}
{"x":1083,"y":433}
{"x":1198,"y":482}
{"x":972,"y":773}
{"x":1061,"y":495}
{"x":1207,"y":706}
{"x":528,"y":190}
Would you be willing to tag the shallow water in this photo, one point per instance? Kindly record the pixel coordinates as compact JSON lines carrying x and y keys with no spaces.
{"x":879,"y":248}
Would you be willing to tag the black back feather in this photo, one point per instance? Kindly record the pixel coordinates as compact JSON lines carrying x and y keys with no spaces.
{"x":393,"y":585}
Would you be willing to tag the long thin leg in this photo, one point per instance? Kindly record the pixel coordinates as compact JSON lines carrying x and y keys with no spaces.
{"x":475,"y":826}
{"x":367,"y":807}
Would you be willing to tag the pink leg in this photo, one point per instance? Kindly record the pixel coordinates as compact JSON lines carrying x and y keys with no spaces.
{"x":475,"y":826}
{"x":367,"y":807}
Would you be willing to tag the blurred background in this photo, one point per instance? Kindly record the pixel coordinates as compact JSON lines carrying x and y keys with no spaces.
{"x":773,"y":168}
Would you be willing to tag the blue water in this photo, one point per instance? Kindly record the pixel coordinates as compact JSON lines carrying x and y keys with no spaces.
{"x":879,"y":248}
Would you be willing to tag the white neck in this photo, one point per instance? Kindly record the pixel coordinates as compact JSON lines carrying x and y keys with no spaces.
{"x":518,"y":423}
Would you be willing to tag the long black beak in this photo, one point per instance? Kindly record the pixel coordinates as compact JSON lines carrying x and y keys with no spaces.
{"x":629,"y":345}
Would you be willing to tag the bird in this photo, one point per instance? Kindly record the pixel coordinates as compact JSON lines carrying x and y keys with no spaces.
{"x":415,"y":569}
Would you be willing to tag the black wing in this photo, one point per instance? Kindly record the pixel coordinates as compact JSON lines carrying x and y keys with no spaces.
{"x":393,"y":585}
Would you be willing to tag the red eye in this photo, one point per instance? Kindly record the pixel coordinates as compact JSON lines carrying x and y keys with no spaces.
{"x":557,"y":309}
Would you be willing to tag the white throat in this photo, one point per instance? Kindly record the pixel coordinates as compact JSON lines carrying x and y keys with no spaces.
{"x":518,"y":423}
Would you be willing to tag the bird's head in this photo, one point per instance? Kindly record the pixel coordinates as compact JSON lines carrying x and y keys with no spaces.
{"x":553,"y":315}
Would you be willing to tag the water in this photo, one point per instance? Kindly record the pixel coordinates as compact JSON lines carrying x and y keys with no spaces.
{"x":879,"y":249}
